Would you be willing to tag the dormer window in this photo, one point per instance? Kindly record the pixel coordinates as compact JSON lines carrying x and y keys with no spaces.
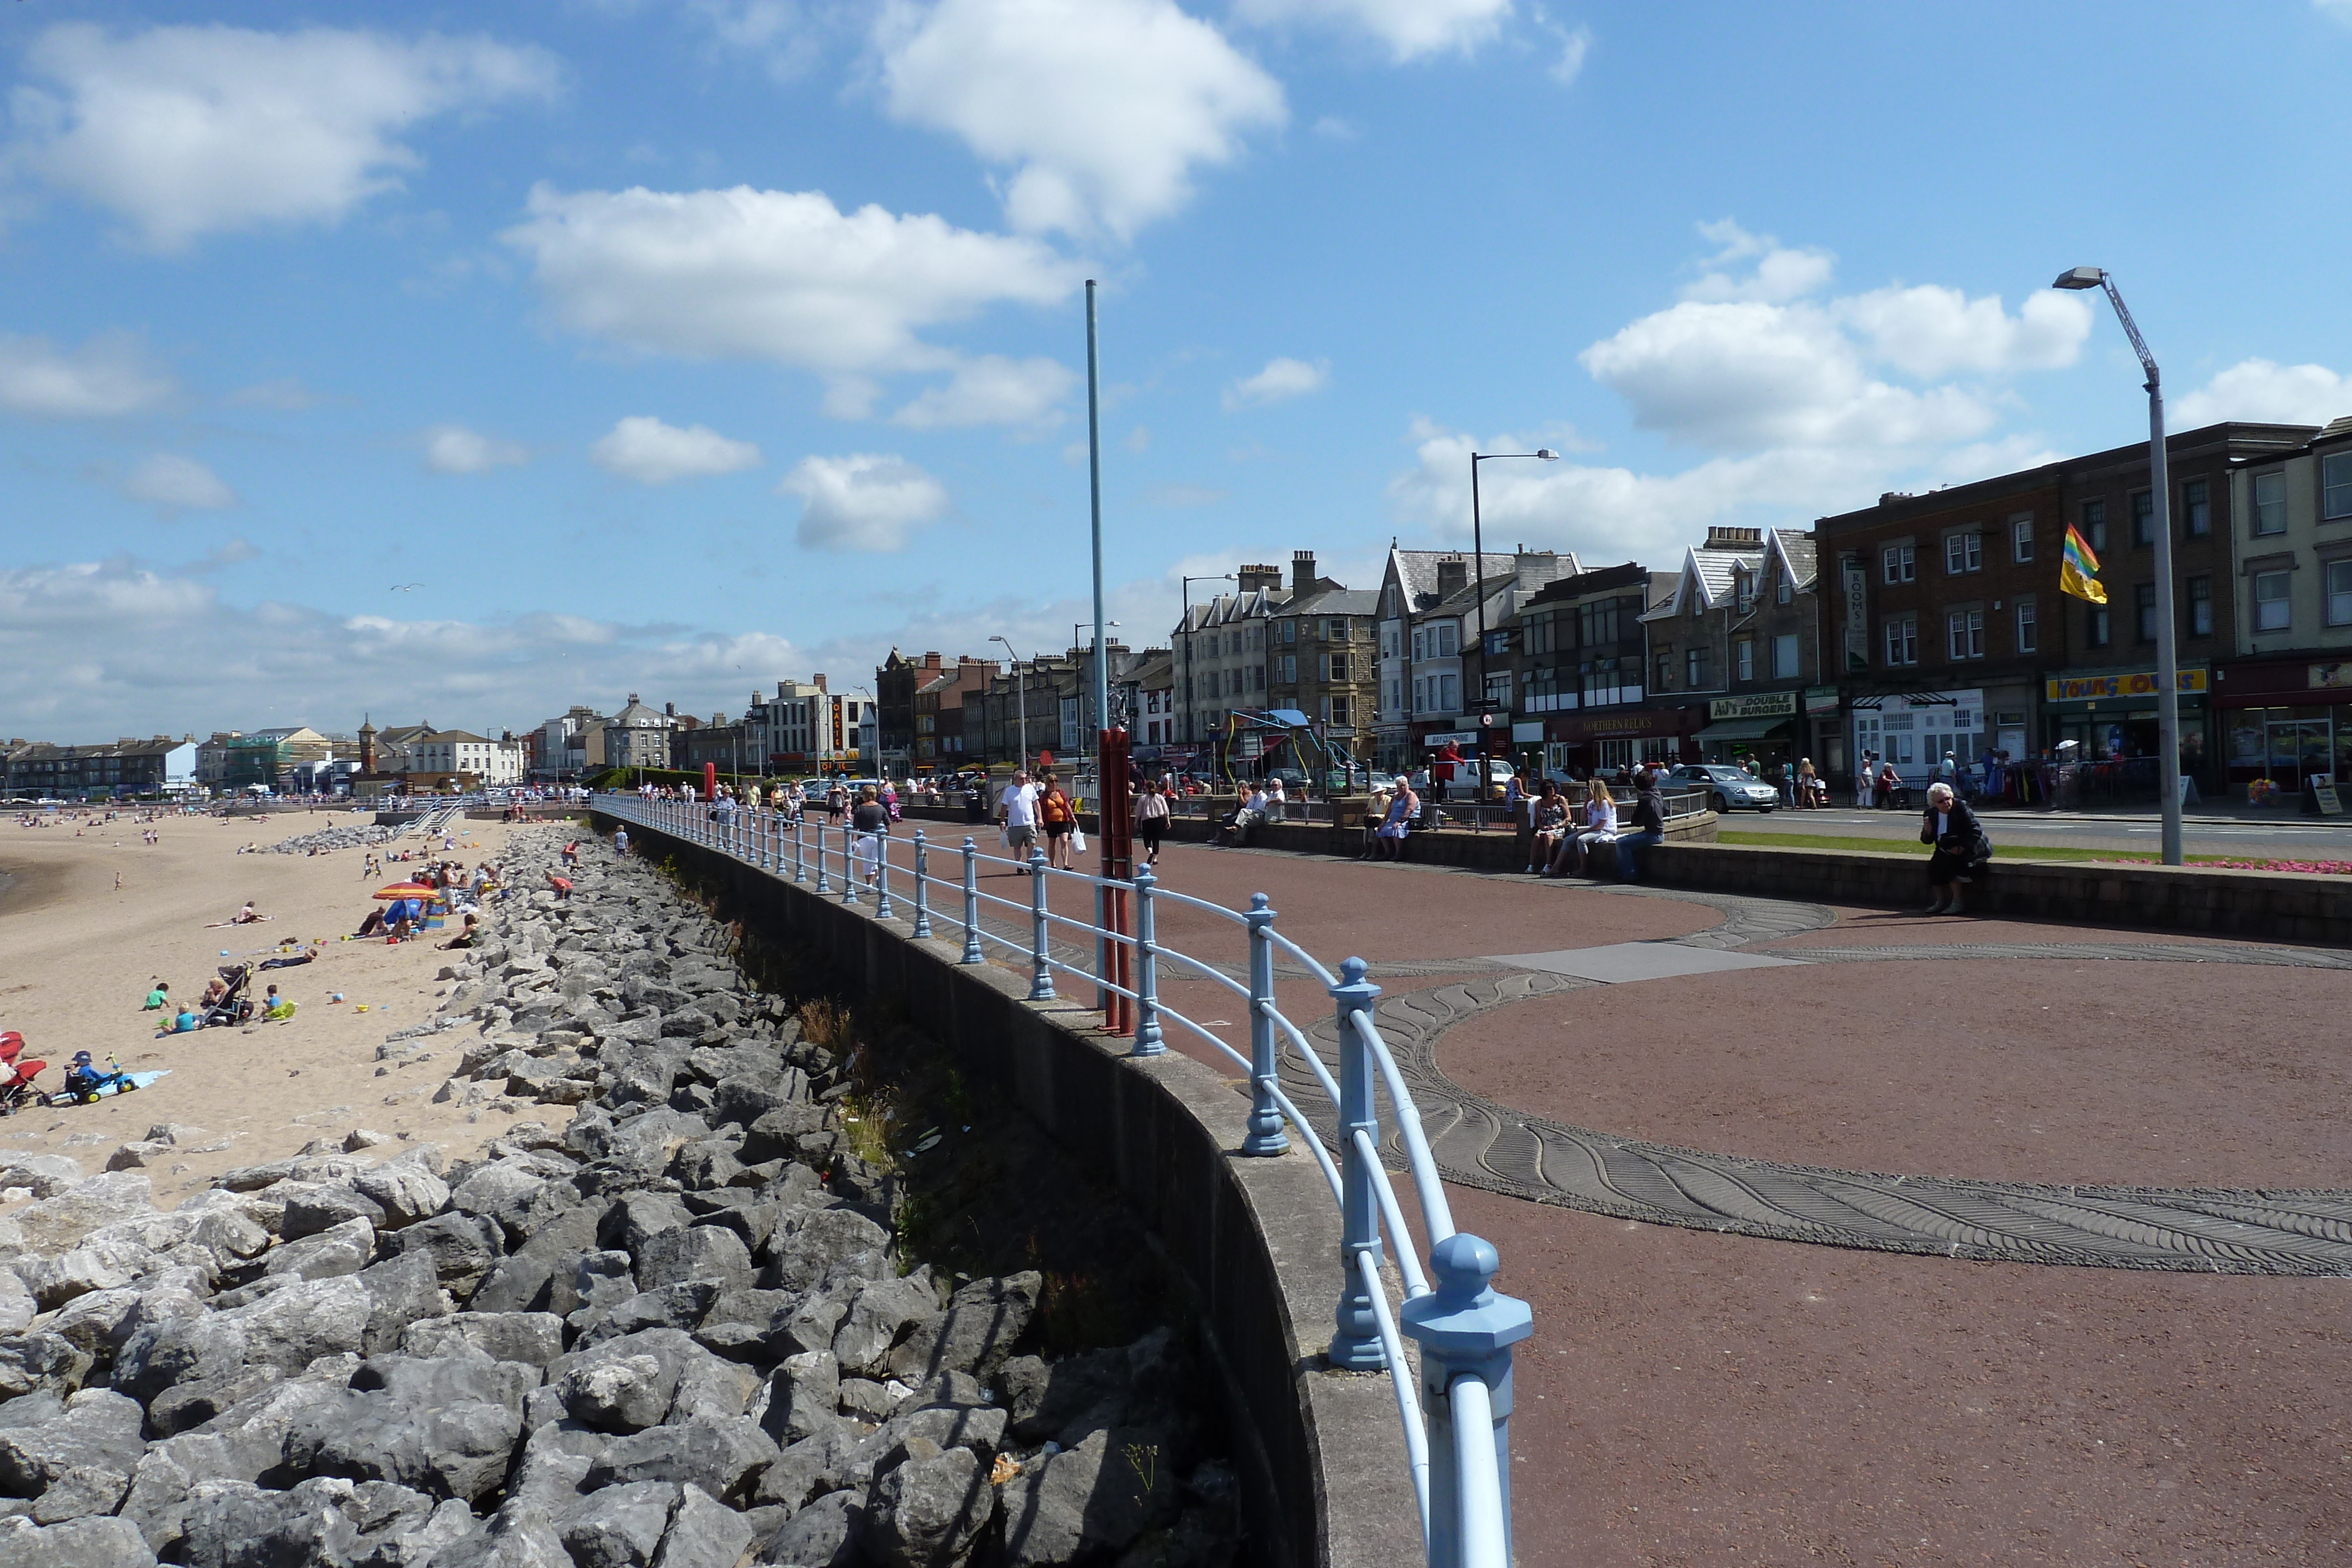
{"x":1745,"y":581}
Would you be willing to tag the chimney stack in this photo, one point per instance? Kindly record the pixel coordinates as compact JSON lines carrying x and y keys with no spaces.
{"x":1721,"y":537}
{"x":1453,"y":577}
{"x":1253,"y":577}
{"x":1302,"y":570}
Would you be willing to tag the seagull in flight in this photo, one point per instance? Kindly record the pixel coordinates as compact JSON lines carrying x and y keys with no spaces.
{"x":404,"y":587}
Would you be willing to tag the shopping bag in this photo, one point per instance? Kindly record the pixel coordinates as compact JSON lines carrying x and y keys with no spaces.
{"x":1077,"y":840}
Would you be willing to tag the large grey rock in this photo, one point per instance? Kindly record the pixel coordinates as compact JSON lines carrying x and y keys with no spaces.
{"x":1080,"y":1394}
{"x":402,"y":1291}
{"x":78,"y":1543}
{"x":619,"y":1527}
{"x":595,"y":1280}
{"x":17,"y":1307}
{"x":883,"y":1310}
{"x":457,"y":1449}
{"x":405,"y":1189}
{"x":821,"y":1535}
{"x":323,"y":1208}
{"x":518,"y":1536}
{"x":53,"y":1225}
{"x":233,"y":1524}
{"x":463,"y":1247}
{"x":723,"y":1457}
{"x":694,"y":1252}
{"x":285,"y":1330}
{"x":640,"y":1217}
{"x":703,"y":1534}
{"x":618,"y":1393}
{"x":802,"y":1396}
{"x":1087,"y":1501}
{"x":45,"y":1175}
{"x":97,"y":1430}
{"x":815,"y":1243}
{"x":535,"y":1338}
{"x":505,"y":1191}
{"x":927,"y":1512}
{"x":983,"y":1321}
{"x":342,"y":1249}
{"x":538,"y":1272}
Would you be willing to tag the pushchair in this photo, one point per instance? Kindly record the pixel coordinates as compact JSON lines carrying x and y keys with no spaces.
{"x":234,"y":1006}
{"x":85,"y":1082}
{"x":16,"y":1075}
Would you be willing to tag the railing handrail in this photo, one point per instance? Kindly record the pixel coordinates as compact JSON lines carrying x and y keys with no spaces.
{"x":1456,"y":1425}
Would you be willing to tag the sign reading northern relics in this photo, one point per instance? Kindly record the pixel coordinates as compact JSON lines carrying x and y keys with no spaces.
{"x":1756,"y":704}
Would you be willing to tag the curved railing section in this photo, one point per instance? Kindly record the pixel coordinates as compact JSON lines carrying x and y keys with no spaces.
{"x":1457,"y":1414}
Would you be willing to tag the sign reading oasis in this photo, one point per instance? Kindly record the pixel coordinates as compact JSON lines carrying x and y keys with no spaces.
{"x":1762,"y":705}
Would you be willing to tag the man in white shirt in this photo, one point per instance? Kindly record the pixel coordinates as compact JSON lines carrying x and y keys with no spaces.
{"x":1017,"y":809}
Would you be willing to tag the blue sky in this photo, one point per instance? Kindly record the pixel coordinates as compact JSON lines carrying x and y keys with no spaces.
{"x":465,"y":363}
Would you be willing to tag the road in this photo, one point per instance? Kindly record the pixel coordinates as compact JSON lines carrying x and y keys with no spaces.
{"x":2293,"y":838}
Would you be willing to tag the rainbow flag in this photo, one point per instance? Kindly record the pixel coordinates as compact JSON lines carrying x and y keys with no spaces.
{"x":2078,"y":570}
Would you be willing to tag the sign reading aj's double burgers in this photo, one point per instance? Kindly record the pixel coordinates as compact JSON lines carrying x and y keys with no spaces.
{"x":1759,"y":705}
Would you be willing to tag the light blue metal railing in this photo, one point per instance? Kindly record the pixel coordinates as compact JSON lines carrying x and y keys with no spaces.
{"x":1457,"y":1415}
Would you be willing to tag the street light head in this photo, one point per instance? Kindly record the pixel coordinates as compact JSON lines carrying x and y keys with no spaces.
{"x":1547,"y":453}
{"x":2081,"y":278}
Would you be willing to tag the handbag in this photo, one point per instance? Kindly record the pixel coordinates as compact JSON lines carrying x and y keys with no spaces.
{"x":1077,"y":840}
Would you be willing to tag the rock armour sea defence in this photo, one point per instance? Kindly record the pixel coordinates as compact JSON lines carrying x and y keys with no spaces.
{"x":677,"y":1333}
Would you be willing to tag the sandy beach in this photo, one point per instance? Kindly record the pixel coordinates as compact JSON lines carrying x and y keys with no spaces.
{"x":77,"y":958}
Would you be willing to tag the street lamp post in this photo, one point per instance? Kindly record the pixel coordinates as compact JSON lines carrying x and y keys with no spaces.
{"x":2160,"y":495}
{"x":1478,"y":576}
{"x":1189,"y":738}
{"x":1020,"y":697}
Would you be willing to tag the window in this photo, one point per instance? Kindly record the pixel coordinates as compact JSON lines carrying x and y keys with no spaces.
{"x":2029,"y":630}
{"x":1744,"y":652}
{"x":1448,"y":691}
{"x":1745,"y":583}
{"x":2339,"y":593}
{"x":1695,"y":669}
{"x":1289,"y":631}
{"x":1336,"y":710}
{"x":1448,"y":640}
{"x":2197,"y":509}
{"x":1784,"y":656}
{"x":1665,"y":671}
{"x":1964,"y":633}
{"x":1287,"y":669}
{"x":2021,"y":538}
{"x":1335,"y":667}
{"x":2273,"y":612}
{"x":1903,"y":639}
{"x":2270,"y":503}
{"x":1963,"y":552}
{"x":2094,"y":626}
{"x":2143,"y":515}
{"x":1607,"y":680}
{"x":2335,"y":487}
{"x":2144,"y":611}
{"x":1597,"y":623}
{"x":1782,"y":588}
{"x":1898,"y":563}
{"x":2200,"y":607}
{"x":2095,"y":525}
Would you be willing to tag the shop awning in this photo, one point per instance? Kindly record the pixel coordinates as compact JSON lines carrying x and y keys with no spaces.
{"x":1742,"y":729}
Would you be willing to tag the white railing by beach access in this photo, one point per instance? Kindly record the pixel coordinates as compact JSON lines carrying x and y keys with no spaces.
{"x":1457,"y":1417}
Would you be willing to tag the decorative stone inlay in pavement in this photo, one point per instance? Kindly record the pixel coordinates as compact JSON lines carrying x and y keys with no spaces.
{"x":1481,"y":1143}
{"x":2130,"y":952}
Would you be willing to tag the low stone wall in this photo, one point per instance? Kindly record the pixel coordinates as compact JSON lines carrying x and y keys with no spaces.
{"x":2282,"y":905}
{"x":1258,"y":1239}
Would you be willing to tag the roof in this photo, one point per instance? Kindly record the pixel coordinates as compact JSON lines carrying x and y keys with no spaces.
{"x":1593,"y":580}
{"x":1708,"y":574}
{"x":1336,"y":602}
{"x":638,"y":716}
{"x":1797,"y":554}
{"x":456,"y":737}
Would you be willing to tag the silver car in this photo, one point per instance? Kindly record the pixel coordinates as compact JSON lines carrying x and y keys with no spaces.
{"x":1728,"y":789}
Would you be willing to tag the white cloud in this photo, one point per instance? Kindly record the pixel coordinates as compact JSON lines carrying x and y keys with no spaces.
{"x":1406,"y":29}
{"x":779,"y":276}
{"x":2340,"y":10}
{"x":1100,"y":109}
{"x":643,"y":448}
{"x":2264,"y":392}
{"x":113,"y":641}
{"x":107,"y":376}
{"x":994,"y":389}
{"x":1281,"y":379}
{"x":1743,"y":376}
{"x":1779,"y":273}
{"x":454,"y":449}
{"x":865,"y":501}
{"x":1930,"y":332}
{"x":190,"y":130}
{"x":171,"y":483}
{"x":1574,"y":47}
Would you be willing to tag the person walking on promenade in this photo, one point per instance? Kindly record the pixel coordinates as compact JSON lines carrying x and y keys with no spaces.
{"x":1017,"y":813}
{"x":1151,"y":815}
{"x":836,"y":802}
{"x":1865,"y":779}
{"x":1806,"y":780}
{"x":871,"y":822}
{"x":1961,"y":849}
{"x":1058,"y":815}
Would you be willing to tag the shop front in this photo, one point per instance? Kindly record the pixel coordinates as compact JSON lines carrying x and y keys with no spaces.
{"x":1916,"y":730}
{"x":1759,"y":727}
{"x":2285,"y":724}
{"x":1580,"y":745}
{"x":2107,"y":718}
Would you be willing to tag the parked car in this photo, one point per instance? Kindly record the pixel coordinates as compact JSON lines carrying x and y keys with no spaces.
{"x":1728,"y":789}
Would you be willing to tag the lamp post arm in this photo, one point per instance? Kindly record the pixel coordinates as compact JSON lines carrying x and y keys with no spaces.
{"x":2131,"y":330}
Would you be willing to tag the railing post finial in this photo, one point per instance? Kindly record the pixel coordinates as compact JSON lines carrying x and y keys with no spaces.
{"x":1041,"y":972}
{"x":971,"y":951}
{"x":1465,"y":1330}
{"x":922,"y":886}
{"x":1148,"y":1040}
{"x":1265,"y":1135}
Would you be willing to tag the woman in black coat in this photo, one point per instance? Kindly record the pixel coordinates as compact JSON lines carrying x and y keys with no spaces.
{"x":1962,"y":851}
